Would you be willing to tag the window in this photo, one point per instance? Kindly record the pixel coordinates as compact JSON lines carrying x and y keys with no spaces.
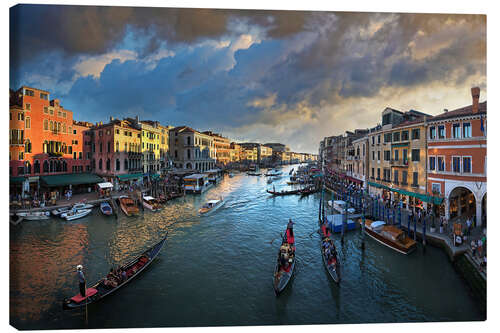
{"x":59,"y":113}
{"x":455,"y":164}
{"x":117,"y":131}
{"x":415,"y":155}
{"x":387,"y":137}
{"x":117,"y":164}
{"x":80,"y":155}
{"x":415,"y":179}
{"x":378,"y":139}
{"x":373,"y":172}
{"x":28,"y":122}
{"x":404,"y":180}
{"x":378,"y":173}
{"x":396,"y":155}
{"x":21,"y":156}
{"x":467,"y":130}
{"x":432,"y":163}
{"x":74,"y":131}
{"x":70,"y":149}
{"x":109,"y":146}
{"x":441,"y":132}
{"x":387,"y":155}
{"x":441,"y":166}
{"x":405,"y":155}
{"x":20,"y":116}
{"x":396,"y":136}
{"x":126,"y":165}
{"x":64,"y":128}
{"x":108,"y":164}
{"x":28,"y":106}
{"x":27,"y":146}
{"x":432,"y":133}
{"x":456,"y":131}
{"x":64,"y":114}
{"x":467,"y":164}
{"x":117,"y":146}
{"x":44,"y":96}
{"x":373,"y":155}
{"x":396,"y":177}
{"x":404,"y":136}
{"x":36,"y":167}
{"x":415,"y":134}
{"x":100,"y":164}
{"x":373,"y":139}
{"x":51,"y":111}
{"x":45,"y":110}
{"x":436,"y":188}
{"x":74,"y":155}
{"x":29,"y":92}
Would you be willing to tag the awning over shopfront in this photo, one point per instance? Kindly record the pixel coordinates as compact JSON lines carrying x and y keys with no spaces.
{"x":420,"y":196}
{"x":71,"y":179}
{"x":17,"y":180}
{"x":355,"y":180}
{"x":130,"y":176}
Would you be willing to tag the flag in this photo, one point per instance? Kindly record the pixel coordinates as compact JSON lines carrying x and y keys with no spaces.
{"x":482,"y":124}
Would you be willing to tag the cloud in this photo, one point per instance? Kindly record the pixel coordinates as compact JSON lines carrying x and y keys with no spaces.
{"x":93,"y":66}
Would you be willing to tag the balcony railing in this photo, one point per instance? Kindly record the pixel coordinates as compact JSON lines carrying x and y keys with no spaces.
{"x":403,"y":163}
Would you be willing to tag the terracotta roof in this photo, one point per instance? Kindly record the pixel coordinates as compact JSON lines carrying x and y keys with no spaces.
{"x":412,"y":122}
{"x":184,"y":129}
{"x":465,"y":111}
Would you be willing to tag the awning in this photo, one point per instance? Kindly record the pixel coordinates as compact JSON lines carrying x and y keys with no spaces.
{"x":352,"y":179}
{"x":103,"y":186}
{"x":17,"y":180}
{"x":422,"y":197}
{"x":71,"y":179}
{"x":130,"y":176}
{"x":155,"y":176}
{"x":377,"y":185}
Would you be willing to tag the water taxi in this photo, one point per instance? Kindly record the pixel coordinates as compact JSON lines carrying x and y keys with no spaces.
{"x":150,"y":203}
{"x":211,"y":206}
{"x":390,"y":236}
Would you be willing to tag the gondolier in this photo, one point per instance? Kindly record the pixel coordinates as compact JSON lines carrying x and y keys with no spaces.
{"x":81,"y":279}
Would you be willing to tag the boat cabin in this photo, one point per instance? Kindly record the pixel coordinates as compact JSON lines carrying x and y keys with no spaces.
{"x":196,"y":183}
{"x":213,"y":175}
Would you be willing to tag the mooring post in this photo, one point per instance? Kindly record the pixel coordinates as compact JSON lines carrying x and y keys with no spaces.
{"x":414,"y":228}
{"x":423,"y":231}
{"x":363,"y":226}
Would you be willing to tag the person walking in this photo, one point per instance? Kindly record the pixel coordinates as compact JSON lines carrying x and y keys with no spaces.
{"x":479,"y":247}
{"x":81,"y":279}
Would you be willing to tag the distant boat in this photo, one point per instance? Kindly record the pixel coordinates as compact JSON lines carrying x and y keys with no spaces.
{"x":231,"y":175}
{"x":151,"y":203}
{"x":211,"y":206}
{"x":75,"y":214}
{"x":339,"y":205}
{"x":128,"y":206}
{"x":283,"y":192}
{"x":390,"y":236}
{"x":34,"y":216}
{"x":106,"y":208}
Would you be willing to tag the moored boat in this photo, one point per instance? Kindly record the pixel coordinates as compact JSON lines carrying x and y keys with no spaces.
{"x":106,"y":208}
{"x":390,"y":236}
{"x":76,"y":214}
{"x":277,"y":193}
{"x":285,"y":263}
{"x":100,"y":289}
{"x":150,"y":203}
{"x":128,"y":206}
{"x":78,"y":205}
{"x":211,"y":206}
{"x":34,"y":216}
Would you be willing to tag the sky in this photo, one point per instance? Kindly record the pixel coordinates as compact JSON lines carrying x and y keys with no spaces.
{"x":264,"y":76}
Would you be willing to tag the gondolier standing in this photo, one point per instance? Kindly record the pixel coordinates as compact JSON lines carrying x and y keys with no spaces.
{"x":81,"y":279}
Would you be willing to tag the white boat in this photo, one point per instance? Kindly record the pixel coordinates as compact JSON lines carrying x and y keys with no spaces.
{"x":79,"y":205}
{"x":197,"y":183}
{"x":211,"y":206}
{"x":34,"y":216}
{"x":150,"y":203}
{"x":76,"y":214}
{"x":339,"y":206}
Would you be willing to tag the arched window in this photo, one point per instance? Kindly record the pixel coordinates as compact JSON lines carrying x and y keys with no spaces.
{"x":64,"y":127}
{"x":28,"y":122}
{"x":100,"y":164}
{"x":117,"y":164}
{"x":45,"y":124}
{"x":27,"y":146}
{"x":126,"y":165}
{"x":117,"y":147}
{"x":51,"y":125}
{"x":189,"y":141}
{"x":58,"y":127}
{"x":51,"y":166}
{"x":108,"y":164}
{"x":28,"y":167}
{"x":45,"y":166}
{"x":45,"y":146}
{"x":64,"y":166}
{"x":36,"y":167}
{"x":189,"y":153}
{"x":58,"y":166}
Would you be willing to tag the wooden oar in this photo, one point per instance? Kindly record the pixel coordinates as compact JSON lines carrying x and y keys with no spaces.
{"x":313,"y":232}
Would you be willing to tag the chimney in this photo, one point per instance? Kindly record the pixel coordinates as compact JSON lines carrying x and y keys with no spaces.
{"x":475,"y":99}
{"x":111,"y":119}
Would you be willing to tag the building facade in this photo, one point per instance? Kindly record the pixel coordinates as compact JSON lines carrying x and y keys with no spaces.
{"x":191,"y":150}
{"x":456,"y":153}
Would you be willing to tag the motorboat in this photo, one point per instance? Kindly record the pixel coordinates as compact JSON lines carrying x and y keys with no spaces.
{"x":34,"y":216}
{"x":211,"y":206}
{"x":75,"y":214}
{"x":390,"y":236}
{"x":339,"y":206}
{"x":150,"y":203}
{"x":128,"y":205}
{"x":106,"y":208}
{"x":79,"y":205}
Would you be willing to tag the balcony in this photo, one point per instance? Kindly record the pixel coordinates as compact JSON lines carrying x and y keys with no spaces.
{"x":399,"y":163}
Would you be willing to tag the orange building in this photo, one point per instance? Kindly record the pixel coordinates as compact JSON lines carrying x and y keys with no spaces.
{"x":44,"y":139}
{"x":456,"y":153}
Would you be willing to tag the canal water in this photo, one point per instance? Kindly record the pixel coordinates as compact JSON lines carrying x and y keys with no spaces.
{"x":217,"y":269}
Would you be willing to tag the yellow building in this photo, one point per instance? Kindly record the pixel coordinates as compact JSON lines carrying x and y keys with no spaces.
{"x":164,"y":157}
{"x":150,"y":144}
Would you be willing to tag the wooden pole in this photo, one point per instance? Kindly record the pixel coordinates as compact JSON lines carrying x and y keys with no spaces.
{"x":363,"y":226}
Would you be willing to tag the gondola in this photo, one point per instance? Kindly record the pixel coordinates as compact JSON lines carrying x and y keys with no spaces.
{"x":99,"y":290}
{"x":283,"y":192}
{"x":283,"y":273}
{"x":307,"y":191}
{"x":331,"y":262}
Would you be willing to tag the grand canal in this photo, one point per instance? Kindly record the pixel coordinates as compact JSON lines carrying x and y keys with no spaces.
{"x":217,"y":269}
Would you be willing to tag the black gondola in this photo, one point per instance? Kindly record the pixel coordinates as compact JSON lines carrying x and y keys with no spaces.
{"x":329,"y":253}
{"x":307,"y":191}
{"x":285,"y":263}
{"x":283,"y":192}
{"x":99,"y":290}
